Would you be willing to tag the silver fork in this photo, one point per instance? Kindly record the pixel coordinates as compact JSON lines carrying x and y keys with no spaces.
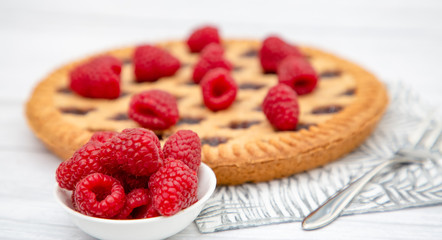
{"x":419,"y":148}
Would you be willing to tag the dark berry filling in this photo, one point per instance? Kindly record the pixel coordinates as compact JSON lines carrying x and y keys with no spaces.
{"x":349,"y":92}
{"x":214,"y":141}
{"x":304,"y":126}
{"x":126,"y":61}
{"x":76,"y":111}
{"x":120,"y":117}
{"x":330,"y":74}
{"x":123,"y":94}
{"x":189,"y":120}
{"x":237,"y":68}
{"x":250,"y":53}
{"x":242,"y":125}
{"x":160,"y":135}
{"x":64,"y":90}
{"x":258,"y":109}
{"x":327,"y":109}
{"x":251,"y":86}
{"x":98,"y":130}
{"x":201,"y":105}
{"x":177,"y":98}
{"x":189,"y":83}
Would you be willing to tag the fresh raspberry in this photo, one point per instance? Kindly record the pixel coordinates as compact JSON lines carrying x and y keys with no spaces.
{"x":219,"y":89}
{"x":154,"y":109}
{"x":83,"y":162}
{"x":131,"y":182}
{"x":281,"y":107}
{"x":150,"y":213}
{"x":135,"y":150}
{"x":173,"y":187}
{"x":152,"y":63}
{"x":74,"y":206}
{"x":211,"y":59}
{"x":103,"y":136}
{"x":212,"y":49}
{"x":97,"y":78}
{"x":273,"y":51}
{"x":202,"y":37}
{"x":138,"y":205}
{"x":184,"y":145}
{"x":297,"y":73}
{"x":99,"y":195}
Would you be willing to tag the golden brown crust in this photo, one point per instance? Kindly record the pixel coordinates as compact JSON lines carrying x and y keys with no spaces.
{"x":254,"y":154}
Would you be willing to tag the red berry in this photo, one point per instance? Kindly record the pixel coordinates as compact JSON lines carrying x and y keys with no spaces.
{"x":209,"y":60}
{"x":131,"y":182}
{"x":151,"y":212}
{"x":99,"y":195}
{"x":173,"y":187}
{"x":73,"y":201}
{"x":212,"y":49}
{"x":219,"y":89}
{"x":103,"y":136}
{"x":184,"y":145}
{"x":281,"y":107}
{"x":202,"y":37}
{"x":97,"y":78}
{"x":136,"y":151}
{"x":138,"y":205}
{"x":154,"y":109}
{"x":297,"y":73}
{"x":152,"y":63}
{"x":83,"y":162}
{"x":273,"y":51}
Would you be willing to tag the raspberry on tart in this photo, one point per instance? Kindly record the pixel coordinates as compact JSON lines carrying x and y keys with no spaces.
{"x":273,"y":51}
{"x":202,"y":37}
{"x":154,"y":109}
{"x":212,"y":49}
{"x":219,"y":89}
{"x":281,"y":107}
{"x":238,"y":143}
{"x":97,"y":78}
{"x":152,"y":63}
{"x":297,"y":73}
{"x":210,"y":59}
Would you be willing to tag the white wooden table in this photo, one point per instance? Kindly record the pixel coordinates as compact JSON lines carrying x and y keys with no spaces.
{"x":397,"y":40}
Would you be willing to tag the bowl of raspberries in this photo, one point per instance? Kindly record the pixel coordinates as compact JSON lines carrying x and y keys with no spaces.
{"x":124,"y":185}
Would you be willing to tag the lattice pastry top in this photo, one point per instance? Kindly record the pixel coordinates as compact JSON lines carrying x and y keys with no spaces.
{"x":238,"y":143}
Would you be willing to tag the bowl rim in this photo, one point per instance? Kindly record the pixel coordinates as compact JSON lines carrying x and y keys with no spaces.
{"x":211,"y":188}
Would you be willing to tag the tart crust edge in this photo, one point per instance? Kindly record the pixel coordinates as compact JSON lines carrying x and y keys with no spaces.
{"x":282,"y":155}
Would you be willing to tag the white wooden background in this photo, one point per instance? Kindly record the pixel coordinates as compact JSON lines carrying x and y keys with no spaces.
{"x":397,"y":40}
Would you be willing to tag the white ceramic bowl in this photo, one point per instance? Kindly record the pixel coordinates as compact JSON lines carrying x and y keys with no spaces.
{"x":151,"y":228}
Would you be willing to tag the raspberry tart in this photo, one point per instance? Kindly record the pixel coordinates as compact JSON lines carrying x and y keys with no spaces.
{"x":333,"y":107}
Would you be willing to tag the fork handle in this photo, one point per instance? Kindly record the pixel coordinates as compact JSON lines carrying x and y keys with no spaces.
{"x":333,"y":207}
{"x":418,"y":153}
